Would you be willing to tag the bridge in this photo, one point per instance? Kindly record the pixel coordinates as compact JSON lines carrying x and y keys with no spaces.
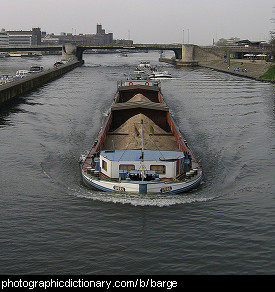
{"x":77,"y":50}
{"x":184,"y":53}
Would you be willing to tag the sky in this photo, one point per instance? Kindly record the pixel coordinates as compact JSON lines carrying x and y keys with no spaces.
{"x":145,"y":21}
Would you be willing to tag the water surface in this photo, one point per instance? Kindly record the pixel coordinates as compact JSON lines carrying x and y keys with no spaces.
{"x":51,"y":223}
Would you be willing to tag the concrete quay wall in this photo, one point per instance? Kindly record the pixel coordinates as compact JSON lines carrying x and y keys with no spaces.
{"x":17,"y":88}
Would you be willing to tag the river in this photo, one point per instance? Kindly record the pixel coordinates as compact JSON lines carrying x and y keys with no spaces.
{"x":51,"y":223}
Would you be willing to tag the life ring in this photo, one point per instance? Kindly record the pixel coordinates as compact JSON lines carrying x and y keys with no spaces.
{"x":130,"y":83}
{"x":146,"y":83}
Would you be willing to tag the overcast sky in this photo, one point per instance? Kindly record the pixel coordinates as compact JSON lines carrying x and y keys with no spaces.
{"x":145,"y":21}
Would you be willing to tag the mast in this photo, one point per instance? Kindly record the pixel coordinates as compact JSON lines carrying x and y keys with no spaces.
{"x":142,"y":146}
{"x":142,"y":152}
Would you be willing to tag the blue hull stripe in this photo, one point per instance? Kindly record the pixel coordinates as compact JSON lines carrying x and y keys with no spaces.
{"x":180,"y":190}
{"x":184,"y":189}
{"x":98,"y":186}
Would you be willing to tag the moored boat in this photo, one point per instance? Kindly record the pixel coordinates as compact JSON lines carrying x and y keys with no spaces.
{"x":35,"y":69}
{"x":15,"y":54}
{"x":139,"y":149}
{"x":31,"y":54}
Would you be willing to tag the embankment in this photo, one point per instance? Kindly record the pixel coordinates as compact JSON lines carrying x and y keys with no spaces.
{"x":215,"y":59}
{"x":240,"y":67}
{"x":14,"y":89}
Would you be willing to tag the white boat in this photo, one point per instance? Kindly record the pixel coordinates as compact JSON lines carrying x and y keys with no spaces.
{"x":139,"y":149}
{"x":144,"y":64}
{"x":157,"y":75}
{"x":144,"y":67}
{"x":31,"y":54}
{"x":15,"y":54}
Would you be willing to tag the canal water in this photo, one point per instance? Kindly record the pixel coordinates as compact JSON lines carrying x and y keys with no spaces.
{"x":50,"y":223}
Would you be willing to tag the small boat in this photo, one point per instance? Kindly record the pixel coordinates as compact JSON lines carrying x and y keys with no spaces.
{"x":157,"y":75}
{"x":35,"y":69}
{"x":124,"y":54}
{"x":144,"y":64}
{"x":15,"y":54}
{"x":31,"y":54}
{"x":144,"y":67}
{"x":139,"y":149}
{"x":59,"y":63}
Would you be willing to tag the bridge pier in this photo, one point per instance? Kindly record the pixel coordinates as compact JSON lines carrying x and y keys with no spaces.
{"x":184,"y":56}
{"x":187,"y":53}
{"x":188,"y":56}
{"x":72,"y":52}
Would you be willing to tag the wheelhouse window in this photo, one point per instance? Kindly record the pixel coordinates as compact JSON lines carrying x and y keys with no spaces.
{"x":160,"y":169}
{"x":127,"y":167}
{"x":104,"y":165}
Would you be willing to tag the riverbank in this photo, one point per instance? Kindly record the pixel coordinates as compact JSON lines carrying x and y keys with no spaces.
{"x":256,"y":70}
{"x":269,"y":74}
{"x":16,"y":88}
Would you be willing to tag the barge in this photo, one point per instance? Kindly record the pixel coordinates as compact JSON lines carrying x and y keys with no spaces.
{"x":139,"y":148}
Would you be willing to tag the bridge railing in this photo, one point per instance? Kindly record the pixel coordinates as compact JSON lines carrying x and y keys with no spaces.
{"x":236,"y":48}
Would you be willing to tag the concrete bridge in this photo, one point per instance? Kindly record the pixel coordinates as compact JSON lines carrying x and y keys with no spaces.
{"x":185,"y":54}
{"x":77,"y":50}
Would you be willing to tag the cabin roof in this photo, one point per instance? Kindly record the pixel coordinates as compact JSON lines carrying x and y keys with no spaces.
{"x":134,"y":155}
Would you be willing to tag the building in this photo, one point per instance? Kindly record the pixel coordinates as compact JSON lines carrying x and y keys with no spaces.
{"x":50,"y":39}
{"x":4,"y":38}
{"x":101,"y":37}
{"x":27,"y":38}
